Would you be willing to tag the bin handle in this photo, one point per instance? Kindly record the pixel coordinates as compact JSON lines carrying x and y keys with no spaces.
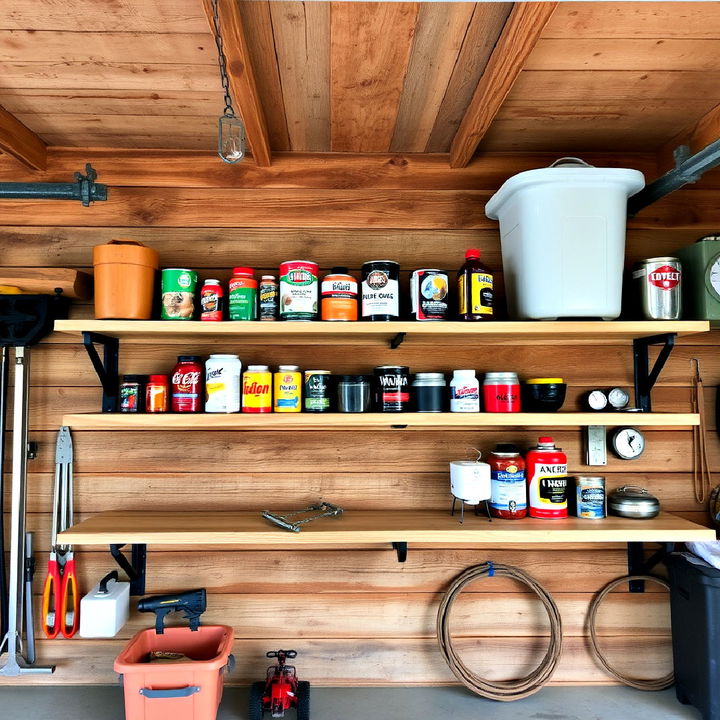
{"x":561,"y":162}
{"x":171,"y":693}
{"x":230,"y":666}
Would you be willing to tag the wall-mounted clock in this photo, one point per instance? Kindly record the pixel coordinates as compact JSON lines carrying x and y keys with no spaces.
{"x":627,"y":443}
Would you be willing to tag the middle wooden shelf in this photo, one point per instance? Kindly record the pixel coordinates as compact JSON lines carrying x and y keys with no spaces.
{"x":371,"y":421}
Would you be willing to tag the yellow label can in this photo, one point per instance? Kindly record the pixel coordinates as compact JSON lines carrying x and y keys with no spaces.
{"x":287,"y":385}
{"x":257,"y":389}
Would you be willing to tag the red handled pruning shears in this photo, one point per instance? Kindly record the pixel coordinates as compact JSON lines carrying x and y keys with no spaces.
{"x":61,"y":602}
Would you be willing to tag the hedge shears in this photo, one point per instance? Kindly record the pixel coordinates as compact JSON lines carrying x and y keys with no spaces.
{"x":61,"y":602}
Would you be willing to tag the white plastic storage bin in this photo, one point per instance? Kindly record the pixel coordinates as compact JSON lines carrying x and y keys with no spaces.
{"x":563,"y":239}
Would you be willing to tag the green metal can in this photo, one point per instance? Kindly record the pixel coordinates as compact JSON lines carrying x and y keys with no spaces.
{"x":178,"y":294}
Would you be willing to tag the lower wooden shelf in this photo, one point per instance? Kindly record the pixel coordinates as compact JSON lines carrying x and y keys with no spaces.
{"x":365,"y":527}
{"x":370,"y":421}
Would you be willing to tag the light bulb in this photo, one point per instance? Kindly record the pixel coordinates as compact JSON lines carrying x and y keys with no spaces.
{"x":231,"y":138}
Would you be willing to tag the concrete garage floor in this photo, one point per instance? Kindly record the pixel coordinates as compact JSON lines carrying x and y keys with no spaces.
{"x":605,"y":703}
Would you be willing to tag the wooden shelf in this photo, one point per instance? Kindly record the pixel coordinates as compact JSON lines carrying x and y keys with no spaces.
{"x":419,"y":333}
{"x":363,"y":527}
{"x":370,"y":421}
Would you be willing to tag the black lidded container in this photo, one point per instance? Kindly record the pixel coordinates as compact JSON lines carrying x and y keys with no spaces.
{"x":380,"y":291}
{"x":695,"y":617}
{"x":429,"y":392}
{"x":392,"y":388}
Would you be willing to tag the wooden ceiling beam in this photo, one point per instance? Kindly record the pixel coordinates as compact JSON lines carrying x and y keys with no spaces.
{"x":21,"y":142}
{"x":517,"y":40}
{"x":243,"y":87}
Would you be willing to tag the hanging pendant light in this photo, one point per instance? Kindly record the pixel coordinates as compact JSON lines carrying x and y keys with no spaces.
{"x":231,"y":130}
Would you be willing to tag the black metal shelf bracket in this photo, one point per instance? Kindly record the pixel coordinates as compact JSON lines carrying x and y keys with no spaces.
{"x":134,"y":568}
{"x":397,"y":341}
{"x":645,"y":378}
{"x":402,"y":549}
{"x":638,"y":565}
{"x":107,"y":368}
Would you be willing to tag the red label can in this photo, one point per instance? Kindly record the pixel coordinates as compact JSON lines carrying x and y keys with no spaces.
{"x":501,"y":392}
{"x":186,"y":382}
{"x":211,"y":301}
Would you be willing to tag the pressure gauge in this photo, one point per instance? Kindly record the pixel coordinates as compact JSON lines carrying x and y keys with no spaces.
{"x":627,"y":443}
{"x":596,"y":400}
{"x":713,"y":276}
{"x":618,"y":398}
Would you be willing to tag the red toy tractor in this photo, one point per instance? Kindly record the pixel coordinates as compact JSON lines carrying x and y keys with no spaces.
{"x":280,"y":691}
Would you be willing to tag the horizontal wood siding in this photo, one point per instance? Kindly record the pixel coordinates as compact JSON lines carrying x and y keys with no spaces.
{"x":354,"y":616}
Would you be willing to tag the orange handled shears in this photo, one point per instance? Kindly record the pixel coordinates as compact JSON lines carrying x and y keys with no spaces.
{"x":61,"y":601}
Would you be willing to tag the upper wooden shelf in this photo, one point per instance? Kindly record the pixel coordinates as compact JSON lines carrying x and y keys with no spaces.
{"x":369,"y":421}
{"x":334,"y":333}
{"x":365,"y":527}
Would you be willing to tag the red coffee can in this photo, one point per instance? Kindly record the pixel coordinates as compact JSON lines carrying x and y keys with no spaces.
{"x":501,"y":392}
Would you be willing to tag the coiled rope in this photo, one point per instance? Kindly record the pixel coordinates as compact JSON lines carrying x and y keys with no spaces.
{"x":661,"y":683}
{"x":503,"y":690}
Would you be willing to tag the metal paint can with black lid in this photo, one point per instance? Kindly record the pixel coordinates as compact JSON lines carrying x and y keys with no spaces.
{"x":392,"y":391}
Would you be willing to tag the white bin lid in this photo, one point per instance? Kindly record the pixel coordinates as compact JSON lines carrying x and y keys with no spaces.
{"x":563,"y":172}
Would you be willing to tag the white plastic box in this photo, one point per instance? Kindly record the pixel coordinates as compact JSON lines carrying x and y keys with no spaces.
{"x":105,"y":609}
{"x":562,"y":231}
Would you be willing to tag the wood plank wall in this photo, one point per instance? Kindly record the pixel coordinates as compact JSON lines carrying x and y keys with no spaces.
{"x":354,"y":616}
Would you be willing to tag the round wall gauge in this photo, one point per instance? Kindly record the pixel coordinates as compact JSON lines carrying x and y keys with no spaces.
{"x":618,"y":398}
{"x":596,"y":400}
{"x":627,"y":443}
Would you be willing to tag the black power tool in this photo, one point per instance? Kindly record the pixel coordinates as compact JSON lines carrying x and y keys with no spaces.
{"x":193,"y":603}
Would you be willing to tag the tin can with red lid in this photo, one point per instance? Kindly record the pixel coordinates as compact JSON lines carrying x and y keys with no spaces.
{"x":211,"y":301}
{"x":501,"y":392}
{"x":186,"y":385}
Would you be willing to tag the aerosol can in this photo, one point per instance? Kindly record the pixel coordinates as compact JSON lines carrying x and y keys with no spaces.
{"x":546,"y":468}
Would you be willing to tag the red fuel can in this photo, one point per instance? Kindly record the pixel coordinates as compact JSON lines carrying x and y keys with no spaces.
{"x":547,"y":480}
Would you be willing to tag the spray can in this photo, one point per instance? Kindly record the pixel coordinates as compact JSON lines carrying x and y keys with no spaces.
{"x":547,"y":480}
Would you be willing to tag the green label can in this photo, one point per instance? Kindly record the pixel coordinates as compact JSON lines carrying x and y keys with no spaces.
{"x":242,"y":295}
{"x":178,"y":293}
{"x":317,"y":390}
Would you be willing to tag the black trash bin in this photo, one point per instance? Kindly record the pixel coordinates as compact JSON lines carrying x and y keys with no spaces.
{"x":695,"y":616}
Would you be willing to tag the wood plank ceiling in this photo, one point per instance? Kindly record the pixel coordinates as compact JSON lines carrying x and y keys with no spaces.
{"x":358,"y":77}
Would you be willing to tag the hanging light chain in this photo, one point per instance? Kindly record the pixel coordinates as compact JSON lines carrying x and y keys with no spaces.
{"x":221,"y":60}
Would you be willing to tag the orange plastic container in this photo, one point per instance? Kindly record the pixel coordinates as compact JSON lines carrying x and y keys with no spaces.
{"x":124,"y":280}
{"x":179,"y":691}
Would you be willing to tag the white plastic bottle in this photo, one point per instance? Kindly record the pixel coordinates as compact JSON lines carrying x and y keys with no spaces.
{"x":464,"y":392}
{"x":222,"y":384}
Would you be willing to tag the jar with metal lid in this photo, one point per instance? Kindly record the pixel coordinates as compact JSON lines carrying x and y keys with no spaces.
{"x":429,"y":391}
{"x":501,"y":392}
{"x":632,"y":501}
{"x":354,"y":394}
{"x":132,"y":393}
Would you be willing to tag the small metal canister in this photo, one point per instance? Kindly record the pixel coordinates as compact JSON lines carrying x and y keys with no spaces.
{"x":590,"y":497}
{"x":632,"y":501}
{"x":658,"y":288}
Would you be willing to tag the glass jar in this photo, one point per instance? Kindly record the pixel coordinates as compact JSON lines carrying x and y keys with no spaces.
{"x":157,"y":394}
{"x":132,"y":392}
{"x":354,"y":394}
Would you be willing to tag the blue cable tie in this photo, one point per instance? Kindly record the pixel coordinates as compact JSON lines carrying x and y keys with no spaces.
{"x":491,"y":568}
